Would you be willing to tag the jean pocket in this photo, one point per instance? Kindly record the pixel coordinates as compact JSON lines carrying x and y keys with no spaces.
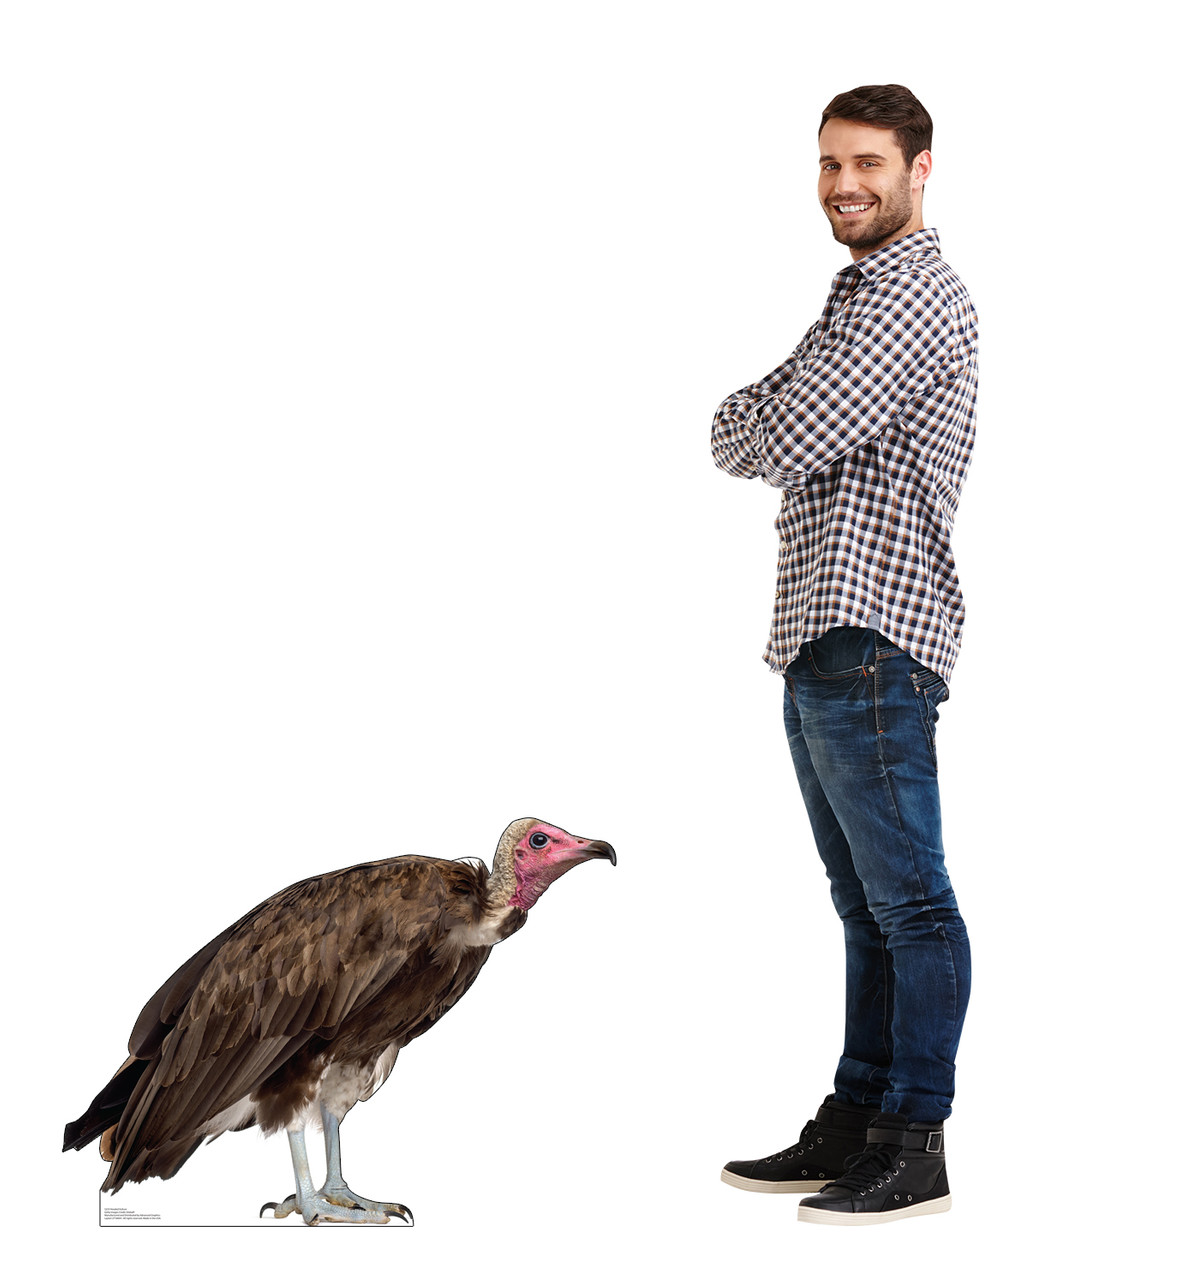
{"x":930,"y":691}
{"x":842,"y":653}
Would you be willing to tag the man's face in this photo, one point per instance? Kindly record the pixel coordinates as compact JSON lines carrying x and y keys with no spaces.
{"x":867,"y":192}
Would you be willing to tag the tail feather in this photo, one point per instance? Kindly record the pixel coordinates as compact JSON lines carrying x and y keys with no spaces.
{"x":107,"y":1107}
{"x":162,"y":1162}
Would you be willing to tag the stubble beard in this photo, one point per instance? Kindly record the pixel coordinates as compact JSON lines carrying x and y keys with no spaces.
{"x":878,"y":229}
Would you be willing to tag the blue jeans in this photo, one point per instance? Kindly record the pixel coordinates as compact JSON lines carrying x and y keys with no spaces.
{"x":861,"y":720}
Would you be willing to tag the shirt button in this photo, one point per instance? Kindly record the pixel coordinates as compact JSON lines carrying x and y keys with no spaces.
{"x":778,"y":595}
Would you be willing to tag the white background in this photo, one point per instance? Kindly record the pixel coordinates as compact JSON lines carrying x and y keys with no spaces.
{"x":358,"y":500}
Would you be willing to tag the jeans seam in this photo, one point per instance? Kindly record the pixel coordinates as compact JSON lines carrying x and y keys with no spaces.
{"x":942,"y":935}
{"x":900,"y":825}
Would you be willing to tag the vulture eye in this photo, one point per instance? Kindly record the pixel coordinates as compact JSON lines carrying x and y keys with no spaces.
{"x":538,"y":840}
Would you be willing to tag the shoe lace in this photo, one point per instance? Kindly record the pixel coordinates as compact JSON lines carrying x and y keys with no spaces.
{"x":862,"y":1169}
{"x":804,"y":1140}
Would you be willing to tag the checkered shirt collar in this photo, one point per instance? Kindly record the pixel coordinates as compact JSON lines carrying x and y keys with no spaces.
{"x":891,"y":255}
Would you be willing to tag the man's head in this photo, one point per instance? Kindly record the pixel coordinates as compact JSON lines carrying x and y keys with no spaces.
{"x":874,"y":162}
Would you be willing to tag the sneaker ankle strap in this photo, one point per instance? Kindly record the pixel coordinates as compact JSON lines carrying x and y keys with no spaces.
{"x":930,"y":1140}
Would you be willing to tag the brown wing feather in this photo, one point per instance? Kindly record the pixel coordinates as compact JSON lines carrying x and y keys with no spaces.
{"x":341,"y":964}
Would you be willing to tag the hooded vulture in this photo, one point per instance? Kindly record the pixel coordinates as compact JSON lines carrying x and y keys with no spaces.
{"x":297,"y":1011}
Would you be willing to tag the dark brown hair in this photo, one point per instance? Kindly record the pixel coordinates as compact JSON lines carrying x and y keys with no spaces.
{"x":886,"y":106}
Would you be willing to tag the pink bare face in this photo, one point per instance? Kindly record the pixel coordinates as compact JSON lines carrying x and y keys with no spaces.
{"x":545,"y":853}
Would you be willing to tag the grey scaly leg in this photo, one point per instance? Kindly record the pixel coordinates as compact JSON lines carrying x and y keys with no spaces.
{"x":335,"y":1189}
{"x":334,"y":1202}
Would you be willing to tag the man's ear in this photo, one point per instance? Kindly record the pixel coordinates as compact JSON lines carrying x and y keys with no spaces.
{"x":922,"y":166}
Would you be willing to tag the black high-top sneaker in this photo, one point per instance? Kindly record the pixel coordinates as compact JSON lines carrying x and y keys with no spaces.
{"x":838,"y":1132}
{"x":901,"y":1174}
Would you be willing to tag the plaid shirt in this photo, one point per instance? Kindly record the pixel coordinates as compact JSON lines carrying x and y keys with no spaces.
{"x":867,"y":430}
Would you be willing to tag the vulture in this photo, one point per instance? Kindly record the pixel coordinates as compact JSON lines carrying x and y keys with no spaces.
{"x":297,"y":1011}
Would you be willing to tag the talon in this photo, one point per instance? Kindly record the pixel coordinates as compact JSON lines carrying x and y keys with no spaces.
{"x":280,"y":1208}
{"x":402,"y":1213}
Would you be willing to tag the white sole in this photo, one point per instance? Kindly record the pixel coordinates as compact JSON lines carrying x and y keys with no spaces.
{"x":771,"y":1188}
{"x":834,"y":1219}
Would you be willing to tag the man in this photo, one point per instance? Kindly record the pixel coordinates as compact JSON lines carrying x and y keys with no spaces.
{"x":867,"y":430}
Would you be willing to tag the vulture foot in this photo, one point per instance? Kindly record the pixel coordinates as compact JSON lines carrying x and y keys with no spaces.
{"x":338,"y":1204}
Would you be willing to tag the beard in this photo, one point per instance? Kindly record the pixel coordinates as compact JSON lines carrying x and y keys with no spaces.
{"x":879,"y":227}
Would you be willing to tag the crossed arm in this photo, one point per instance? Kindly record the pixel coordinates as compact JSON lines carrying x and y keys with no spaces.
{"x":839,"y":390}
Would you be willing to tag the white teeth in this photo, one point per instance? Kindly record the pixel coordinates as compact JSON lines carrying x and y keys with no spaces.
{"x":852,"y":208}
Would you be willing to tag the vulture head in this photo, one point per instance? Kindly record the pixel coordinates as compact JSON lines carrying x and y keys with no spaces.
{"x":531,"y":855}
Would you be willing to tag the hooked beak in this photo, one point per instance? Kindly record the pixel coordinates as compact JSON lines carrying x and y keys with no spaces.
{"x":599,"y":849}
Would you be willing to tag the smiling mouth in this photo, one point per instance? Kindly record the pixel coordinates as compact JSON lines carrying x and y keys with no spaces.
{"x":853,"y":208}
